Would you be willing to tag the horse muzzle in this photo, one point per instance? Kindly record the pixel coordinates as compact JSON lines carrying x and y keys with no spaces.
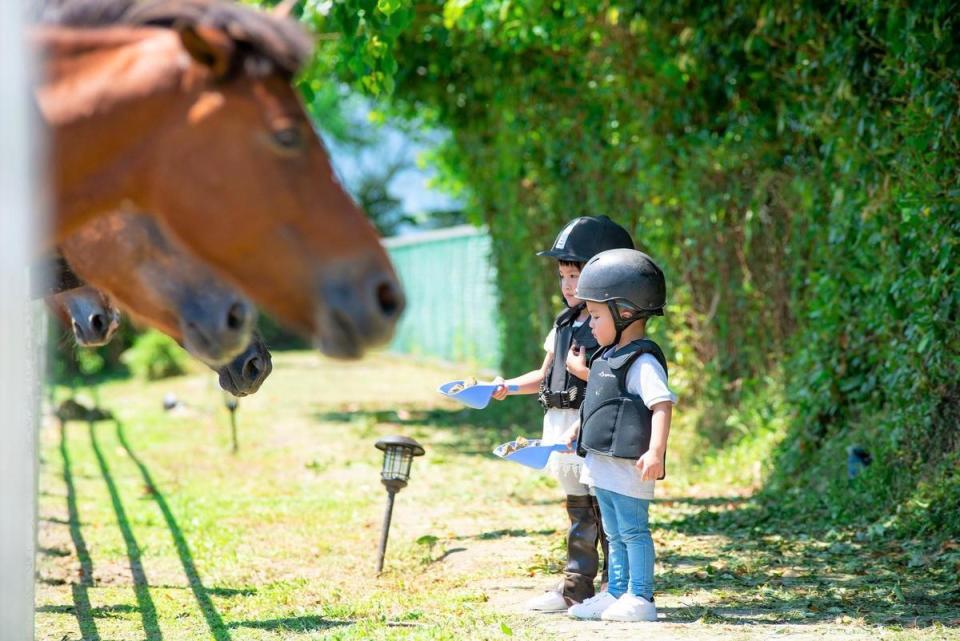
{"x":245,"y":374}
{"x":359,"y":308}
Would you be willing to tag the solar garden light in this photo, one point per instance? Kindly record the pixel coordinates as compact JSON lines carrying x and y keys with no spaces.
{"x":398,"y":453}
{"x":231,"y":402}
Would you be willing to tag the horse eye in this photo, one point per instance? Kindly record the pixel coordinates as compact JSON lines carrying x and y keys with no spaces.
{"x":289,"y":139}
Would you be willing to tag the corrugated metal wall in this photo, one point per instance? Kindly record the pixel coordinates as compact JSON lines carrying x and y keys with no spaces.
{"x":449,"y":281}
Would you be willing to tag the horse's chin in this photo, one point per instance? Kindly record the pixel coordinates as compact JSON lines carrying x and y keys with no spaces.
{"x":91,"y":339}
{"x":208,"y":347}
{"x":209,"y":356}
{"x":337,"y":338}
{"x":228,"y":383}
{"x":91,"y":343}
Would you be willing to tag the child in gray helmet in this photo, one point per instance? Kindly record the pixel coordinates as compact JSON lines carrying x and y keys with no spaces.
{"x":560,"y":383}
{"x":624,"y":423}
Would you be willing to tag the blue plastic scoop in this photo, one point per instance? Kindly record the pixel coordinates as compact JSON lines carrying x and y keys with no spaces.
{"x":533,"y":454}
{"x":475,"y":396}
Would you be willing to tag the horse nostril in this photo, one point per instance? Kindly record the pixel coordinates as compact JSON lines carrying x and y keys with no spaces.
{"x":388,"y":299}
{"x":236,"y":316}
{"x":252,"y":368}
{"x":97,"y":323}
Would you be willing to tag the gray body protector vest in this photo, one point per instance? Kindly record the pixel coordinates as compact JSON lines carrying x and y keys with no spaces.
{"x":614,"y":422}
{"x":559,"y":388}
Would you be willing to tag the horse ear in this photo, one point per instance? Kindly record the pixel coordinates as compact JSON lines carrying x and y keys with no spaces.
{"x":210,"y":47}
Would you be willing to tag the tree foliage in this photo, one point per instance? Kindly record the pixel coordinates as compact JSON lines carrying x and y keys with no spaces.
{"x":792,"y":166}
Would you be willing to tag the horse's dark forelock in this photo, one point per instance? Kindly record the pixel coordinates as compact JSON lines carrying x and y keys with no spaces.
{"x":282,"y":41}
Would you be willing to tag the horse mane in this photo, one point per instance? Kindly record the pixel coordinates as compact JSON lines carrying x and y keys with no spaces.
{"x":282,"y":41}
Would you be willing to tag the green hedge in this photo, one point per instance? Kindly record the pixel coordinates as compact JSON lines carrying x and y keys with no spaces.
{"x":793,"y":166}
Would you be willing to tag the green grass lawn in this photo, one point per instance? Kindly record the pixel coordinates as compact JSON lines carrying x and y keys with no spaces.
{"x":150,"y":528}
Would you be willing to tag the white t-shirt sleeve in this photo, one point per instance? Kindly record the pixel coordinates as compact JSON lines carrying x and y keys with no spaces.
{"x":551,"y":337}
{"x":648,"y":380}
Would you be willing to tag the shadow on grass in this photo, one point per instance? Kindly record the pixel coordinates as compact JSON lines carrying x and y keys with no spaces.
{"x":310,"y":623}
{"x":759,"y":566}
{"x":436,"y":417}
{"x":141,"y":589}
{"x":86,"y":614}
{"x":57,"y":609}
{"x":698,"y":560}
{"x":222,"y":592}
{"x":447,"y":553}
{"x":79,"y":591}
{"x":232,"y":591}
{"x":521,"y":500}
{"x":52,"y":551}
{"x":214,"y":621}
{"x":508,"y":533}
{"x":468,"y":432}
{"x":103,"y":612}
{"x":705,"y":501}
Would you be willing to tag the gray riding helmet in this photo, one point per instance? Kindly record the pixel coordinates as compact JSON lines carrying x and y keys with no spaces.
{"x":585,"y":237}
{"x":627,"y":278}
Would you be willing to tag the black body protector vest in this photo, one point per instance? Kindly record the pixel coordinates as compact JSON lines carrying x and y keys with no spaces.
{"x":614,"y":422}
{"x":559,"y":388}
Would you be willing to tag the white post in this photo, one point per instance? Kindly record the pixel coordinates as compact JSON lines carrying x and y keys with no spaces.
{"x":18,"y":377}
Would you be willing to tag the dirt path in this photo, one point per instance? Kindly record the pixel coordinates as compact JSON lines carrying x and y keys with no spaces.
{"x":721,"y":575}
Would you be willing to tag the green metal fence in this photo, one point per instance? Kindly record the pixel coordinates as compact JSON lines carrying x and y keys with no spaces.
{"x":449,"y":280}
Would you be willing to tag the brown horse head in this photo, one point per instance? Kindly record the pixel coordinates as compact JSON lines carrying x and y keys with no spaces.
{"x":88,"y":312}
{"x":185,"y":108}
{"x":161,"y":285}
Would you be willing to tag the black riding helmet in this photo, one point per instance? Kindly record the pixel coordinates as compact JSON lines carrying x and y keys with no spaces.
{"x":587,"y":236}
{"x":624,"y":279}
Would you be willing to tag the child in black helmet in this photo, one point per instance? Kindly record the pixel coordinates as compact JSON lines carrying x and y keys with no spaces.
{"x":624,"y":424}
{"x":560,"y":383}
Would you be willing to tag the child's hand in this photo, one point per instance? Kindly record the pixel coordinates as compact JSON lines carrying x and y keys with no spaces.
{"x":501,"y":392}
{"x":569,"y":437}
{"x":650,"y":465}
{"x":576,"y":362}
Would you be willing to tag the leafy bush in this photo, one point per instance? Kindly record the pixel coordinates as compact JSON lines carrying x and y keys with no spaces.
{"x":154,"y":356}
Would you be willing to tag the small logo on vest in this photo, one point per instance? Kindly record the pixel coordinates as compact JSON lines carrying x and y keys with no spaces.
{"x":606,"y":375}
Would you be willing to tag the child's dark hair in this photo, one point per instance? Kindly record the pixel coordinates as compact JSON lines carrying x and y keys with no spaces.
{"x":572,"y":263}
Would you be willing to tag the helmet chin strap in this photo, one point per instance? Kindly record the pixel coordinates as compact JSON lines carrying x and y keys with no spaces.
{"x":619,"y":323}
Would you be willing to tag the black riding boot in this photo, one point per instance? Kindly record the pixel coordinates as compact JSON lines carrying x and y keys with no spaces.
{"x":604,"y":545}
{"x":582,"y":557}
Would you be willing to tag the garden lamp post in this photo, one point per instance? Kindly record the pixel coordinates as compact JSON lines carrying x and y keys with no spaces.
{"x":231,"y":402}
{"x":398,"y":453}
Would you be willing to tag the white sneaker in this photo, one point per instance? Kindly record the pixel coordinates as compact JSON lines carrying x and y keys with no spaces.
{"x":592,"y":607}
{"x":552,"y":601}
{"x":630,"y":608}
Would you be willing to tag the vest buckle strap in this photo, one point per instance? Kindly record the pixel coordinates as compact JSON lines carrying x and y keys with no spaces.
{"x":564,"y":399}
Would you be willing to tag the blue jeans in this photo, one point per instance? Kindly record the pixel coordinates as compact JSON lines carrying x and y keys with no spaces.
{"x":631,"y":546}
